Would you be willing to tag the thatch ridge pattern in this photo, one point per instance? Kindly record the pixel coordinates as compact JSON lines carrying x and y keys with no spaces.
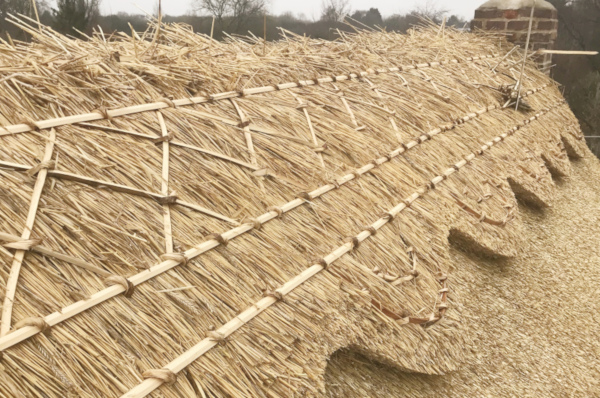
{"x":110,"y":209}
{"x":22,"y":334}
{"x":164,"y":103}
{"x":178,"y":364}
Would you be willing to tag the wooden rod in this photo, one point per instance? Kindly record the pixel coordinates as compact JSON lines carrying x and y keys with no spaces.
{"x":194,"y":353}
{"x":206,"y":211}
{"x":15,"y":269}
{"x":346,"y":106}
{"x":168,"y":228}
{"x":391,"y":117}
{"x":118,"y":188}
{"x":245,"y":125}
{"x":37,"y":16}
{"x":519,"y":83}
{"x":154,"y":106}
{"x":313,"y":135}
{"x":173,"y":142}
{"x":567,"y":52}
{"x":59,"y":256}
{"x":506,"y":56}
{"x":158,"y":269}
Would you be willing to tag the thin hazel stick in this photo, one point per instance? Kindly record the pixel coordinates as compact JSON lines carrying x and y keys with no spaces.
{"x":206,"y":211}
{"x":154,"y":106}
{"x":173,"y":142}
{"x":99,"y":297}
{"x":313,"y":135}
{"x":525,"y":55}
{"x":245,"y":123}
{"x":566,"y":52}
{"x":37,"y":16}
{"x":181,"y":362}
{"x":119,"y":188}
{"x":15,"y":270}
{"x":505,"y":57}
{"x":59,"y":256}
{"x":346,"y":106}
{"x":165,"y":184}
{"x":391,"y":118}
{"x":154,"y":44}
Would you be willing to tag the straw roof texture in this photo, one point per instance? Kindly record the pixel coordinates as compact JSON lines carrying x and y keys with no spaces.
{"x":183,"y":217}
{"x":536,"y":336}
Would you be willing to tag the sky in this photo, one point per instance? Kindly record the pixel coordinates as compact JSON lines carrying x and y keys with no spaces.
{"x":310,"y":8}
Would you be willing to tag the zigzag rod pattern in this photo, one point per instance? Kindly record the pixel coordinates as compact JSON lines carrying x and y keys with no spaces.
{"x":78,"y":307}
{"x":178,"y":364}
{"x":64,"y":175}
{"x":172,"y":142}
{"x":15,"y":269}
{"x":166,"y":103}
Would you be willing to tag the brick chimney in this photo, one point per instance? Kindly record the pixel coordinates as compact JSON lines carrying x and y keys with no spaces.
{"x":512,"y":17}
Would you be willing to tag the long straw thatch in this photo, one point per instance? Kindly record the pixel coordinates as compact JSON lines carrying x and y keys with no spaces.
{"x":170,"y":206}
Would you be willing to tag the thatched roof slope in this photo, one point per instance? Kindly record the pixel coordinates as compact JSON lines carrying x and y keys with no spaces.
{"x":215,"y":219}
{"x":536,"y":335}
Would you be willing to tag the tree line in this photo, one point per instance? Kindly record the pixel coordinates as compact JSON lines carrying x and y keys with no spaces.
{"x":229,"y":16}
{"x":66,"y":16}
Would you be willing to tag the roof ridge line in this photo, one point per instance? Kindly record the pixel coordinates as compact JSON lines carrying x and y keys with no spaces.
{"x":102,"y":114}
{"x":101,"y":296}
{"x":182,"y":361}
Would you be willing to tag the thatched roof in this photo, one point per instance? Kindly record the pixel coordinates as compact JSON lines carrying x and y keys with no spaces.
{"x":216,"y":219}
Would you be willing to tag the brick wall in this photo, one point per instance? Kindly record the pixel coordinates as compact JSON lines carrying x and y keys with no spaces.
{"x":512,"y":17}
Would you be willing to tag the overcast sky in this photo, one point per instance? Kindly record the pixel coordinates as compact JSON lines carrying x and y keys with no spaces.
{"x":310,"y":8}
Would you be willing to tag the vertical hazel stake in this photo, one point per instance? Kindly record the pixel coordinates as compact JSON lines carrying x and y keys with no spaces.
{"x":265,"y":35}
{"x":245,"y":125}
{"x":157,"y":34}
{"x":133,"y":35}
{"x":303,"y":105}
{"x":525,"y":55}
{"x":443,"y":26}
{"x":392,"y":122}
{"x":37,"y":16}
{"x":340,"y":93}
{"x":506,"y":56}
{"x":165,"y":184}
{"x":212,"y":30}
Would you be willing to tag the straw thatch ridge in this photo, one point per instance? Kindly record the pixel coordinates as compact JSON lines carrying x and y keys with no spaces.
{"x":202,"y":158}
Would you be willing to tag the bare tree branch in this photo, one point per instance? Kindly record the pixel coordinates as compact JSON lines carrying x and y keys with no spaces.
{"x":334,"y":10}
{"x":231,"y":15}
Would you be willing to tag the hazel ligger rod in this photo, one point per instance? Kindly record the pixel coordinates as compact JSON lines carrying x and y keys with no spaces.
{"x":13,"y":278}
{"x":22,"y":334}
{"x":157,"y":377}
{"x":166,"y":103}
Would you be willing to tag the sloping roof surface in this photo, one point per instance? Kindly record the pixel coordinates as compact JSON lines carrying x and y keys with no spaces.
{"x":215,"y":219}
